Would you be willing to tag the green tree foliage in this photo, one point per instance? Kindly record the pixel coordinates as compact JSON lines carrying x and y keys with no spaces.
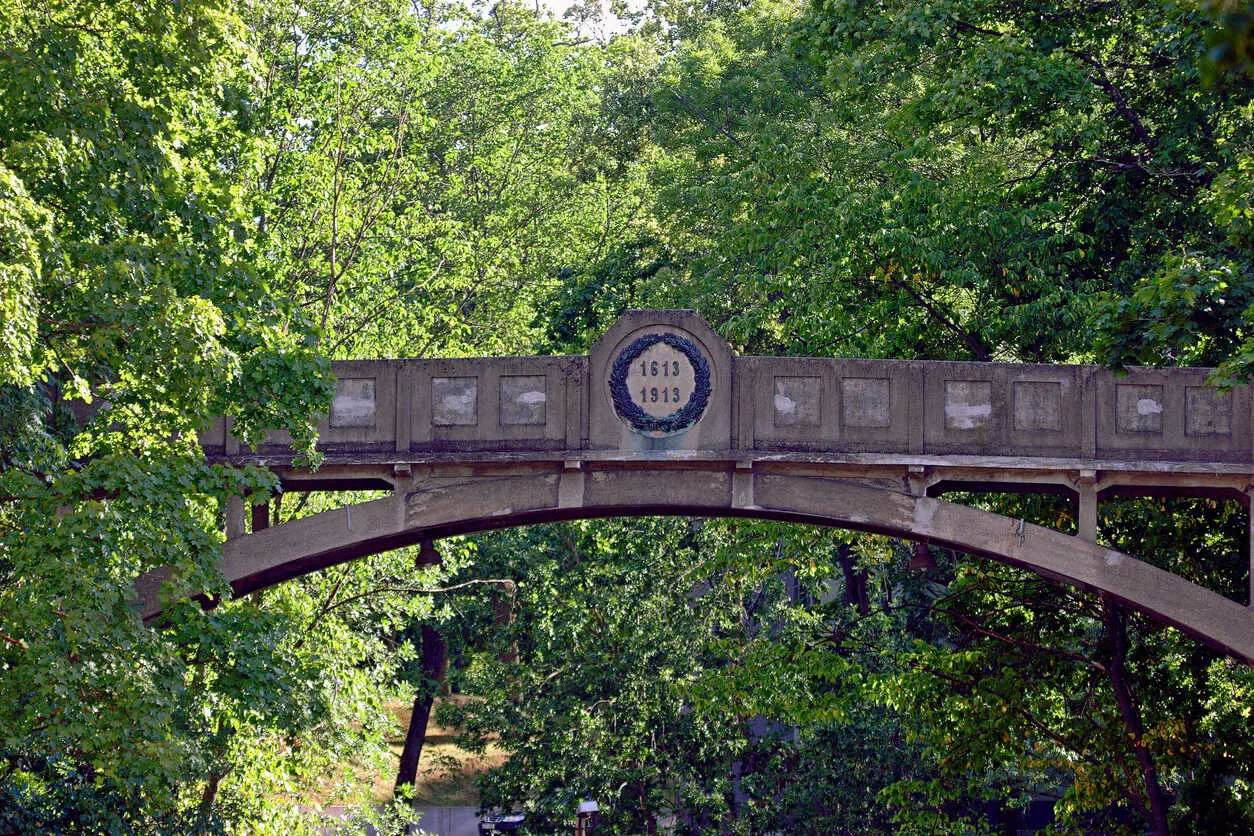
{"x":199,"y":201}
{"x":969,"y":177}
{"x":968,"y":180}
{"x":20,"y":274}
{"x":581,"y":671}
{"x":421,"y":177}
{"x":426,"y":175}
{"x":1232,"y":45}
{"x":131,"y":317}
{"x":1056,"y":692}
{"x":197,"y":204}
{"x":1096,"y":143}
{"x":682,"y":671}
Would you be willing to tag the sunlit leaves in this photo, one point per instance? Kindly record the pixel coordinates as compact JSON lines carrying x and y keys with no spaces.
{"x":130,"y":315}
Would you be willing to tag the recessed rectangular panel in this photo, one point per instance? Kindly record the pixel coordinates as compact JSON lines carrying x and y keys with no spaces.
{"x":1138,"y":408}
{"x":968,"y":404}
{"x":866,"y":402}
{"x":1207,"y":411}
{"x":454,"y":401}
{"x":524,"y":399}
{"x":797,"y":401}
{"x":1037,"y":405}
{"x":354,"y":404}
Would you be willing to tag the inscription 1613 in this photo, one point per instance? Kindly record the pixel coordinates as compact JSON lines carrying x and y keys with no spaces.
{"x":660,"y":384}
{"x":670,"y":370}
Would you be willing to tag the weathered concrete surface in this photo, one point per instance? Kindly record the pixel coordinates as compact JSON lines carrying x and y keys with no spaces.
{"x":276,"y":554}
{"x":413,"y":410}
{"x":474,"y":444}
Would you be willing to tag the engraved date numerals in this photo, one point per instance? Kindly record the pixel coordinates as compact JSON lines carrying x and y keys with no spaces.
{"x":660,"y":384}
{"x":654,"y":368}
{"x":654,"y":394}
{"x":650,"y":370}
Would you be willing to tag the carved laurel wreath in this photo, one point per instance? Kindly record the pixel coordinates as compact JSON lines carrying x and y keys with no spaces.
{"x":631,"y":412}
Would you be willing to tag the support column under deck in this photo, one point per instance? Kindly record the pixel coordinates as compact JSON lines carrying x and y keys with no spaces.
{"x":1086,"y":518}
{"x":234,"y":517}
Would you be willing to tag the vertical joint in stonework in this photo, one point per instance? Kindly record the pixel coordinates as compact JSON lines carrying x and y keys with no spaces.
{"x":918,"y":480}
{"x":402,"y":478}
{"x":570,"y":484}
{"x":1086,"y":519}
{"x":742,"y":485}
{"x":1249,"y":511}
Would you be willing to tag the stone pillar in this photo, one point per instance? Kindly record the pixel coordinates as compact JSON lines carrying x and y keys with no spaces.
{"x":918,"y":480}
{"x":234,"y":517}
{"x":570,"y":484}
{"x":742,"y":485}
{"x":402,"y":479}
{"x":1086,"y":519}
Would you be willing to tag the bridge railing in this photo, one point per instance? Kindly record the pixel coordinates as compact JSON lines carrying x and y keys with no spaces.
{"x":994,"y":409}
{"x":387,"y":407}
{"x":413,"y":408}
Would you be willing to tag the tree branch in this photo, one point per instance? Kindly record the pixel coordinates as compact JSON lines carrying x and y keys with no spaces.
{"x":1098,"y":76}
{"x":1131,"y":715}
{"x":973,"y":342}
{"x":505,"y":583}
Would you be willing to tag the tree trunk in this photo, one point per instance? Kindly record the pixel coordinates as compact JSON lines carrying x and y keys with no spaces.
{"x":855,"y":581}
{"x":503,"y":616}
{"x":210,"y":794}
{"x":650,"y":819}
{"x":433,"y":654}
{"x":1131,"y":715}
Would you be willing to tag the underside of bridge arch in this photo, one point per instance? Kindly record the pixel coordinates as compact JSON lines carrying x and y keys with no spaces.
{"x":481,"y":503}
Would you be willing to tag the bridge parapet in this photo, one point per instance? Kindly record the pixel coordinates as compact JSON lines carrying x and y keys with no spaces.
{"x":993,"y":409}
{"x":397,"y":408}
{"x":662,"y":418}
{"x":826,"y":409}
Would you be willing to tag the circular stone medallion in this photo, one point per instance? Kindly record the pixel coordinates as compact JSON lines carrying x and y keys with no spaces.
{"x":660,"y":384}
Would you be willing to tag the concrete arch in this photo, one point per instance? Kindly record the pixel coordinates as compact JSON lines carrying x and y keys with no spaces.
{"x":277,"y":554}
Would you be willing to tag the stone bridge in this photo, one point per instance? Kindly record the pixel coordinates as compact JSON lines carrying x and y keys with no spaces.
{"x":661,"y":418}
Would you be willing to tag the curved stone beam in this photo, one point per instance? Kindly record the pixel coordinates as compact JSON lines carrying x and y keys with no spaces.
{"x":273,"y":555}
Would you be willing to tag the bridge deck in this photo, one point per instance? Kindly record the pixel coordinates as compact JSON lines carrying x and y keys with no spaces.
{"x":661,"y":417}
{"x":1007,"y":426}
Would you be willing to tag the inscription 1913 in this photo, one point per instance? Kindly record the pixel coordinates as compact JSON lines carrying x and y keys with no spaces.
{"x":666,"y":368}
{"x":660,"y":383}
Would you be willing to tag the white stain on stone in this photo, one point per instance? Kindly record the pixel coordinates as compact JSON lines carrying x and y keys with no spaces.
{"x":960,"y":415}
{"x":1113,"y":559}
{"x":785,"y":405}
{"x":531,"y":400}
{"x":352,"y":410}
{"x":354,"y":403}
{"x":463,"y":405}
{"x":1148,"y":406}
